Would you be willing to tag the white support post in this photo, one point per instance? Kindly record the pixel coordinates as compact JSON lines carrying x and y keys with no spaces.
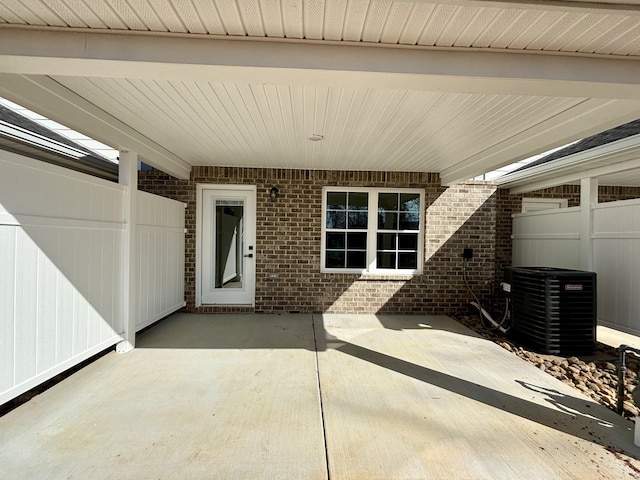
{"x":588,"y":200}
{"x":128,"y":175}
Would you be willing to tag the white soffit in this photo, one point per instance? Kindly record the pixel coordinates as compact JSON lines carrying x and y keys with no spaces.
{"x":629,"y":178}
{"x":551,"y":26}
{"x":258,"y":125}
{"x":60,"y":104}
{"x":181,"y":101}
{"x":159,"y":78}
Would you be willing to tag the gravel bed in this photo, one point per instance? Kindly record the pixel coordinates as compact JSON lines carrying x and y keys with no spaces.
{"x":595,"y":375}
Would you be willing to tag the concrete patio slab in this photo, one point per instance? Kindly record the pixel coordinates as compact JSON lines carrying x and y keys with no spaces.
{"x":237,"y":397}
{"x":203,"y":396}
{"x":424,"y":397}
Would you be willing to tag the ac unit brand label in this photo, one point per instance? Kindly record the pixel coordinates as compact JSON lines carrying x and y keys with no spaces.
{"x":572,"y":287}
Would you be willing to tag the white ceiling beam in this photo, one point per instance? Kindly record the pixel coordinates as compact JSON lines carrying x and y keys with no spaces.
{"x":48,"y":97}
{"x":628,"y":7}
{"x":101,"y":54}
{"x":585,"y":119}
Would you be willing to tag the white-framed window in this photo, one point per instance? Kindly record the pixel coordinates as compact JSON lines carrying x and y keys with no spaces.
{"x":372,"y":230}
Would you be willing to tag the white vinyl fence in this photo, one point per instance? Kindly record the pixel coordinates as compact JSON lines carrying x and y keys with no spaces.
{"x":552,"y":238}
{"x":616,"y":259}
{"x":160,"y":246}
{"x":61,"y":269}
{"x":548,"y":238}
{"x":61,"y":235}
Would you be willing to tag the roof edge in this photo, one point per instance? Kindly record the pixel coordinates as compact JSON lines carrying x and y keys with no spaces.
{"x":556,"y":167}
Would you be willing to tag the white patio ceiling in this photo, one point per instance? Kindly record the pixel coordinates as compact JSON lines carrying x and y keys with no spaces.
{"x":456,"y":87}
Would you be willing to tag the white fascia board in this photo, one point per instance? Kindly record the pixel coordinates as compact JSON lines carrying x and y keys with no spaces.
{"x":623,"y":154}
{"x":576,"y":177}
{"x":149,"y":56}
{"x":61,"y":104}
{"x":629,"y":144}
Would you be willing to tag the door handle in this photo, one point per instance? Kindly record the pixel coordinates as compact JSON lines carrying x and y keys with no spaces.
{"x":249,"y":255}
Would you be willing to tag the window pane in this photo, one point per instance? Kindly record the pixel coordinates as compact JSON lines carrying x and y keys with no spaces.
{"x":386,"y":241}
{"x":407,"y":241}
{"x":386,"y":260}
{"x":335,"y":260}
{"x":388,"y":221}
{"x":336,"y":219}
{"x":388,"y":201}
{"x":356,"y":259}
{"x":335,"y":241}
{"x":358,"y":219}
{"x":357,"y":241}
{"x":410,"y":202}
{"x":409,"y":221}
{"x":226,"y":203}
{"x":408,"y":260}
{"x":347,"y":236}
{"x":358,"y":200}
{"x":336,"y":200}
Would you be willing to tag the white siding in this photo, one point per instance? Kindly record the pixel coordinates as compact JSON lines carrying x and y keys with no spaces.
{"x":61,"y":236}
{"x":160,"y":246}
{"x":549,"y":238}
{"x":616,"y":257}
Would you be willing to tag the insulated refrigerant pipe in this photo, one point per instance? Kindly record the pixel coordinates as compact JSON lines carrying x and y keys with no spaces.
{"x":484,"y":315}
{"x":622,"y":369}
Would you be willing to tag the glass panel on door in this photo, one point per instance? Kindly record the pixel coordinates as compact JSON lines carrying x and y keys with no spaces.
{"x":228,"y":265}
{"x":228,"y":239}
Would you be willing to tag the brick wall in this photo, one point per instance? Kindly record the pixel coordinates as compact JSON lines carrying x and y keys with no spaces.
{"x":289,"y":231}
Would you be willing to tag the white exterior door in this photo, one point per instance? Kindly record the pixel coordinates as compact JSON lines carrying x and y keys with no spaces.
{"x":228,"y":266}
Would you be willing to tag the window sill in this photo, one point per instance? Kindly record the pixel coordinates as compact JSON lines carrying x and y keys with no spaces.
{"x":388,"y":276}
{"x":374,"y":276}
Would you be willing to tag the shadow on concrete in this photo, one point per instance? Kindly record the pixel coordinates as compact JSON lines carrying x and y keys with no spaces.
{"x":568,"y":414}
{"x":572,"y":415}
{"x":248,"y":331}
{"x":230,"y":332}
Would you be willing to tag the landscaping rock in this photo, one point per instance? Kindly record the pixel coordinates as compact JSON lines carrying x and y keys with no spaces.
{"x":596,"y":379}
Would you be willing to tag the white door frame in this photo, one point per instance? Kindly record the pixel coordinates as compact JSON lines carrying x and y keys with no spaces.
{"x":251,"y":237}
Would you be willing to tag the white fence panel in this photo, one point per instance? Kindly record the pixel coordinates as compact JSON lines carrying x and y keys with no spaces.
{"x":616,"y":260}
{"x":61,"y":248}
{"x":160,"y":245}
{"x":549,"y":238}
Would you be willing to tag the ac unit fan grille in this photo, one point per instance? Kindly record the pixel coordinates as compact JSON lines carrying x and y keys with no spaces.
{"x":554,"y":310}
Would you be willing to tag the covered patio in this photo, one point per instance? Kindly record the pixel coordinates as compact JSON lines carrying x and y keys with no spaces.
{"x":367,"y":100}
{"x":313,"y":396}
